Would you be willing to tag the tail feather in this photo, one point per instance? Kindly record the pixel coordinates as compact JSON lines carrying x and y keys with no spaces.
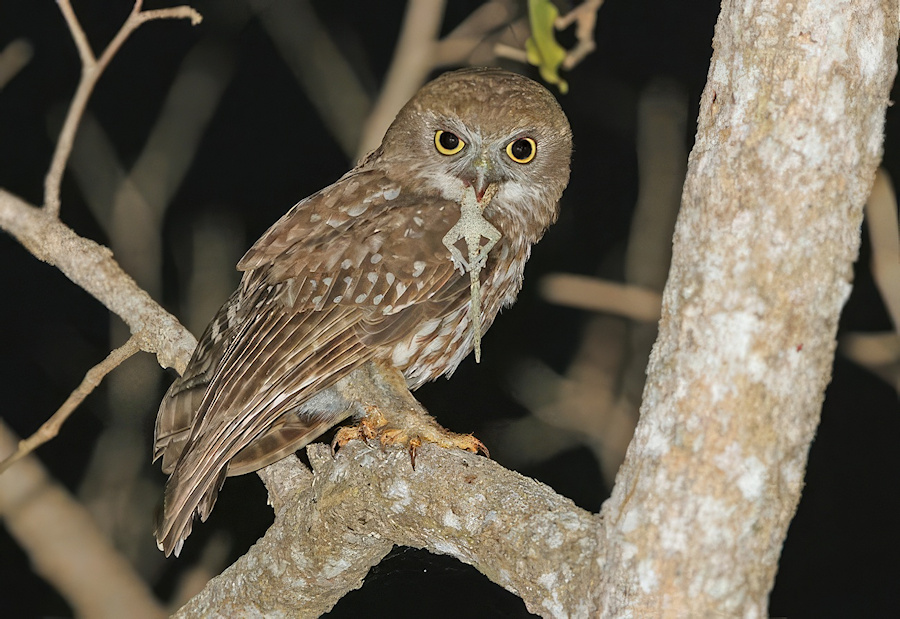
{"x":174,"y":524}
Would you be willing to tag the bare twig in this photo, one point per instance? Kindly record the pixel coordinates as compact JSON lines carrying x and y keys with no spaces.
{"x":585,"y":16}
{"x":459,"y":44}
{"x":91,"y":70}
{"x":884,"y":234}
{"x":511,"y":53}
{"x":319,"y":64}
{"x":601,"y":296}
{"x":51,"y":427}
{"x":880,"y":352}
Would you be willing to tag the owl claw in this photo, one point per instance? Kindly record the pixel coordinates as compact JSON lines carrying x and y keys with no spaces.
{"x":375,"y":426}
{"x":370,"y":427}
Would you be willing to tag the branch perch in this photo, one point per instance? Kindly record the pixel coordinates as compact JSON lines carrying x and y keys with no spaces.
{"x":517,"y":531}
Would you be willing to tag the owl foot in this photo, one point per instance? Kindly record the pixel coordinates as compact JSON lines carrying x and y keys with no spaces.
{"x":410,"y":430}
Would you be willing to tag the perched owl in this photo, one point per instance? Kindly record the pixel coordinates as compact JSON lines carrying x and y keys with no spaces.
{"x":405,"y":260}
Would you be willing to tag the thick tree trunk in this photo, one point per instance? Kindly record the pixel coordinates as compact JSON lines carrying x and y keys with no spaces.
{"x":789,"y":137}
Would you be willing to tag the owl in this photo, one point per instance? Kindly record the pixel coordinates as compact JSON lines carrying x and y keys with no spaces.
{"x":404,"y":261}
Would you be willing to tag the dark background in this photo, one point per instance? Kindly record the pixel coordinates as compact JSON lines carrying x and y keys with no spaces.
{"x":265,"y":149}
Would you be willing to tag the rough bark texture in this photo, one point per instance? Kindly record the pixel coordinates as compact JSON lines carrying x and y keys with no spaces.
{"x":789,"y":136}
{"x":331,"y":527}
{"x":517,"y":531}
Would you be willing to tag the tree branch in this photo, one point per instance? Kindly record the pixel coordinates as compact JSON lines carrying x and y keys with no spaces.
{"x":65,"y":545}
{"x":789,"y":136}
{"x":413,"y":59}
{"x":50,"y":428}
{"x":517,"y":531}
{"x":91,"y":70}
{"x":92,"y":267}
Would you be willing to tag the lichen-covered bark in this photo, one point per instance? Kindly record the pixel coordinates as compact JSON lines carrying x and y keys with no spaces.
{"x":517,"y":531}
{"x":332,"y":525}
{"x":789,"y":136}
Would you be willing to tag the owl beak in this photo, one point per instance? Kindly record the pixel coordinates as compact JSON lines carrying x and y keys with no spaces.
{"x":482,"y":178}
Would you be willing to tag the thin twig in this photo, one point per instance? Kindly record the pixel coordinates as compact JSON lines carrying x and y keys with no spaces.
{"x":585,"y":14}
{"x":91,"y":70}
{"x":92,"y":378}
{"x":457,"y":47}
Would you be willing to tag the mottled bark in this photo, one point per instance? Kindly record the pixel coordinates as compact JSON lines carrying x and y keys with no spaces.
{"x":336,"y":524}
{"x":789,"y":136}
{"x":92,"y":267}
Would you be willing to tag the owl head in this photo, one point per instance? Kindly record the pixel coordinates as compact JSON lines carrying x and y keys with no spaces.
{"x":480,"y":127}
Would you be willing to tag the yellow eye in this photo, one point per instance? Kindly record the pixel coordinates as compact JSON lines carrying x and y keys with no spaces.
{"x":447,"y":143}
{"x":521,"y":150}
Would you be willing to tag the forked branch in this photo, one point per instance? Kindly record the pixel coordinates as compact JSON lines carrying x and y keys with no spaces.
{"x":91,"y":70}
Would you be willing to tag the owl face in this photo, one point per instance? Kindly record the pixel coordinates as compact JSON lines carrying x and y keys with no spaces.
{"x":458,"y":134}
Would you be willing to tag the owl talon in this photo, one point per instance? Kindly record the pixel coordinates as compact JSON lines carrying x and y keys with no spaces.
{"x":375,"y":426}
{"x":369,"y":427}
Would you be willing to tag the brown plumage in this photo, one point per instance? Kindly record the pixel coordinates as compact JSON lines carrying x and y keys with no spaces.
{"x":358,"y":272}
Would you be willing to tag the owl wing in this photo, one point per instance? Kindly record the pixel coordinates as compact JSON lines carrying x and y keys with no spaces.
{"x":342,"y":275}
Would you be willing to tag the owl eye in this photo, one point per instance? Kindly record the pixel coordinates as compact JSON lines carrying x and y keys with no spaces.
{"x":522,"y":150}
{"x":447,"y":143}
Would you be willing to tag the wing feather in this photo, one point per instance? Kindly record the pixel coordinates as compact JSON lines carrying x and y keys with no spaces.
{"x":324,"y":291}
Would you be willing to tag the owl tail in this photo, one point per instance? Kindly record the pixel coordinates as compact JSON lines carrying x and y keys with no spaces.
{"x":196,"y":480}
{"x":181,"y":503}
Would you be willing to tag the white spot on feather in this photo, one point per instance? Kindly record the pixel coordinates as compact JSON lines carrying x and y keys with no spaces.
{"x":391,"y":193}
{"x":357,"y":209}
{"x":418,"y":268}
